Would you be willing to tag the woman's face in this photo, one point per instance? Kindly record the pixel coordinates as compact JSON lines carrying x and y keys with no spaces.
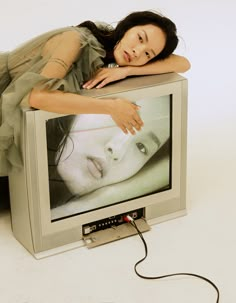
{"x":98,"y":157}
{"x":139,"y":45}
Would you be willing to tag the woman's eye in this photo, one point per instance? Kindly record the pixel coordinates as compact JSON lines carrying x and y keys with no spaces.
{"x":142,"y":148}
{"x":140,"y":38}
{"x":148,"y":55}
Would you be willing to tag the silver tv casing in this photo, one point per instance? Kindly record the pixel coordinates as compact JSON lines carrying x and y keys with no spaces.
{"x":29,"y":190}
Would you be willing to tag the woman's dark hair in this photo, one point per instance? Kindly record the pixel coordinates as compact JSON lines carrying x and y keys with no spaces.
{"x":109,"y":38}
{"x":57,"y":133}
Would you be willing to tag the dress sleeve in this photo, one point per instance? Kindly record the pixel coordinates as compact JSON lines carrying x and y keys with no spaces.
{"x":57,"y":68}
{"x":61,"y":57}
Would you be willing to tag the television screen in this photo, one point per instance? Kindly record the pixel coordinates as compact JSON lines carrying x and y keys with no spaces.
{"x":93,"y":164}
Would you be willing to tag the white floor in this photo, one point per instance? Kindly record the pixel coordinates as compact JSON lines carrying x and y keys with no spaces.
{"x":202,"y":242}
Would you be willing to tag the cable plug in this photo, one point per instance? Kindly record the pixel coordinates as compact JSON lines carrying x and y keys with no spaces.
{"x":128,"y":219}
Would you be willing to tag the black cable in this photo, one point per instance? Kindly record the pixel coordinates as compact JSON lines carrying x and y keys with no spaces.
{"x":168,"y":275}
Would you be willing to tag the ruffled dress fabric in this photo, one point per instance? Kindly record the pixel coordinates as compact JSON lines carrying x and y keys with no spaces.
{"x":20,"y":72}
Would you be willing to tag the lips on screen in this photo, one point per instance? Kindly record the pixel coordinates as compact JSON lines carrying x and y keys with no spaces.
{"x":93,"y":164}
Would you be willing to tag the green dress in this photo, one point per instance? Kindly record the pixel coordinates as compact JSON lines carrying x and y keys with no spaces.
{"x":20,"y":72}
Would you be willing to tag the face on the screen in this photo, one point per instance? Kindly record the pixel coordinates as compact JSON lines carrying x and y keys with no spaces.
{"x":98,"y":157}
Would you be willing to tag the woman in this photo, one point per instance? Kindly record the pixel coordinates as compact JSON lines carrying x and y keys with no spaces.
{"x":49,"y":70}
{"x":87,"y":153}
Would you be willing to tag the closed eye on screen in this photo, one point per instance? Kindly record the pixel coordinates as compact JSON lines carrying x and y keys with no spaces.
{"x":142,"y":148}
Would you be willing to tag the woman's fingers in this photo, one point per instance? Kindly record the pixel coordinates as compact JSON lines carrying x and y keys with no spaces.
{"x":136,"y":125}
{"x":130,"y":128}
{"x":98,"y":78}
{"x":137,"y":122}
{"x":87,"y":84}
{"x":91,"y":83}
{"x":133,"y":125}
{"x":124,"y":129}
{"x":132,"y":122}
{"x":103,"y":83}
{"x":105,"y":76}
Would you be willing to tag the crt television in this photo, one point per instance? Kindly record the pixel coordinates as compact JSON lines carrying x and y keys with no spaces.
{"x":82,"y":175}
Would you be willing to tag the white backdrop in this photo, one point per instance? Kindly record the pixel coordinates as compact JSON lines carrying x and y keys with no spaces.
{"x":24,"y":19}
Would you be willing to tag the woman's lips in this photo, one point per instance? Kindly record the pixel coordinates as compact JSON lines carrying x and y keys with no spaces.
{"x":127,"y":56}
{"x":95,"y":168}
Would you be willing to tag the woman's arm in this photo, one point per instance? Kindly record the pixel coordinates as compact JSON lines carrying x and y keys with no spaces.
{"x":173,"y":63}
{"x":63,"y":50}
{"x":123,"y":112}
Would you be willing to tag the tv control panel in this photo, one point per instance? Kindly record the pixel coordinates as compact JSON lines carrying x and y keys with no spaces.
{"x":111,"y":221}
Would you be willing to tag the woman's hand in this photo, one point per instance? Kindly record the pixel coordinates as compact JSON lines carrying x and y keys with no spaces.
{"x":105,"y":76}
{"x":125,"y":114}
